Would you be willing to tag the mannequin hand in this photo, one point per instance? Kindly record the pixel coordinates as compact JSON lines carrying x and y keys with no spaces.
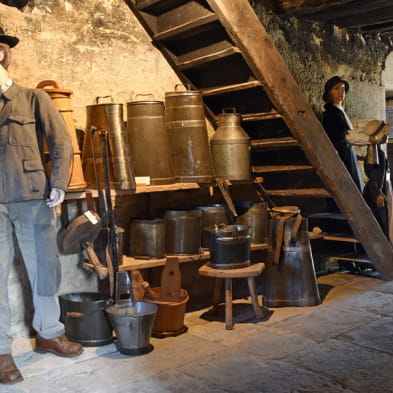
{"x":380,"y":200}
{"x":56,"y":197}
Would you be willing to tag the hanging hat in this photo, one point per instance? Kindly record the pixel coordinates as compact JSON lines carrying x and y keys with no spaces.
{"x":7,"y":39}
{"x":333,"y":82}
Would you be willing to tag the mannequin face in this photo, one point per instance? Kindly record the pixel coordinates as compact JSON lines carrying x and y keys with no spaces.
{"x":337,"y":94}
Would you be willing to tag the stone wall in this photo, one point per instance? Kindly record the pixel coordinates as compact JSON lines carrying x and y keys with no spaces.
{"x":315,"y":52}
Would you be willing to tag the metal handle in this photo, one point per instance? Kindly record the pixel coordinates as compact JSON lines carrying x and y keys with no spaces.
{"x":146,"y":94}
{"x":186,"y":86}
{"x":98,"y":98}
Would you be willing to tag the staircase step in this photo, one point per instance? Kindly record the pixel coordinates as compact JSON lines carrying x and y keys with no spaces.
{"x":273,"y":143}
{"x":280,"y":168}
{"x":193,"y":27}
{"x":300,"y":192}
{"x":231,"y":88}
{"x":157,"y":7}
{"x":207,"y":58}
{"x":248,"y":117}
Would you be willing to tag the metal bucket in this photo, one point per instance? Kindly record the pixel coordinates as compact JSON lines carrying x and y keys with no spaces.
{"x":255,"y":215}
{"x":146,"y":131}
{"x":147,"y":238}
{"x":188,"y":138}
{"x":212,"y":215}
{"x":133,"y":325}
{"x":107,"y":117}
{"x":183,"y":232}
{"x":230,"y":148}
{"x":289,"y":276}
{"x":170,"y":315}
{"x":84,"y":318}
{"x":230,"y":246}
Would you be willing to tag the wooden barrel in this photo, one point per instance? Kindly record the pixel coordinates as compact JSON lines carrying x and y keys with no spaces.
{"x":62,"y":100}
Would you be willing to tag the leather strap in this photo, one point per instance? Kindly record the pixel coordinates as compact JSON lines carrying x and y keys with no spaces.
{"x":280,"y":233}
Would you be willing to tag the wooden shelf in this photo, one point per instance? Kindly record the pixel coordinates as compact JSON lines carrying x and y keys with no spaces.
{"x":139,"y":190}
{"x":130,"y":263}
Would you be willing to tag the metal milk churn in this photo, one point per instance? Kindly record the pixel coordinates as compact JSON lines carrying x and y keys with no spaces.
{"x":61,"y":98}
{"x":230,"y":147}
{"x":108,"y":116}
{"x":149,"y":141}
{"x":187,"y":131}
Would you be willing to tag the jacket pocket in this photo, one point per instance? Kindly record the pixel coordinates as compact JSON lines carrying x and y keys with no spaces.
{"x":22,"y":130}
{"x":36,"y":179}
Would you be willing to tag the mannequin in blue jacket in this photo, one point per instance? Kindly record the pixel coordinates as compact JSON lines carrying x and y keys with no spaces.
{"x":27,"y":201}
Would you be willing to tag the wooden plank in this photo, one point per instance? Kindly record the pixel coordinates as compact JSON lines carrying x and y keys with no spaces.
{"x":246,"y":117}
{"x":280,"y":168}
{"x":300,"y":192}
{"x":185,"y":65}
{"x":248,"y":34}
{"x":130,"y":263}
{"x":231,"y":88}
{"x":139,"y":190}
{"x":273,"y":143}
{"x":195,"y":24}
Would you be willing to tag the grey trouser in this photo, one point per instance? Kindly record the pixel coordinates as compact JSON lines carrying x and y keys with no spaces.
{"x":34,"y":225}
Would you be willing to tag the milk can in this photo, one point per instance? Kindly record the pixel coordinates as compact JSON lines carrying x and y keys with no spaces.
{"x":108,"y":116}
{"x":149,"y":141}
{"x":188,"y":138}
{"x":230,"y":147}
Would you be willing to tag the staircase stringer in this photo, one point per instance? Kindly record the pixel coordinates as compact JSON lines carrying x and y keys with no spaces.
{"x":248,"y":33}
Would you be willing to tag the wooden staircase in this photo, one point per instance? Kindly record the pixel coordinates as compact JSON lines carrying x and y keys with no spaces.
{"x":220,"y":48}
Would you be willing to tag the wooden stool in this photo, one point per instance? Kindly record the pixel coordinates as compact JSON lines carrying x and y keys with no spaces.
{"x":248,"y":272}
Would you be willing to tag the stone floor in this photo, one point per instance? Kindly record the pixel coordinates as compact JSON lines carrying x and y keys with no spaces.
{"x":343,"y":345}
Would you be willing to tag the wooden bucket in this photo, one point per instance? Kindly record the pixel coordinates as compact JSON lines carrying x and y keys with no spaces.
{"x":62,"y":100}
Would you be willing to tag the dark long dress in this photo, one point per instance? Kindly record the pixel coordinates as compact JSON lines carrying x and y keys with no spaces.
{"x":336,"y":126}
{"x":376,"y":183}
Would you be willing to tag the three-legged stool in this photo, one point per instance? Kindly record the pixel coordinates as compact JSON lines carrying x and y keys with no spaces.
{"x":248,"y":272}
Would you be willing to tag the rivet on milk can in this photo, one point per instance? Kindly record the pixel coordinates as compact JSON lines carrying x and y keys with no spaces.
{"x":61,"y":98}
{"x":230,"y":147}
{"x":188,"y":137}
{"x":108,"y":116}
{"x":289,"y":278}
{"x":149,"y":141}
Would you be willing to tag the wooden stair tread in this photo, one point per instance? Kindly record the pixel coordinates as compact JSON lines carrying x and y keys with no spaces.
{"x":231,"y":88}
{"x":280,"y":168}
{"x":197,"y":61}
{"x":193,"y":26}
{"x":246,"y":117}
{"x":340,"y":237}
{"x":157,"y":6}
{"x":274,"y":143}
{"x":300,"y":192}
{"x":328,"y":215}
